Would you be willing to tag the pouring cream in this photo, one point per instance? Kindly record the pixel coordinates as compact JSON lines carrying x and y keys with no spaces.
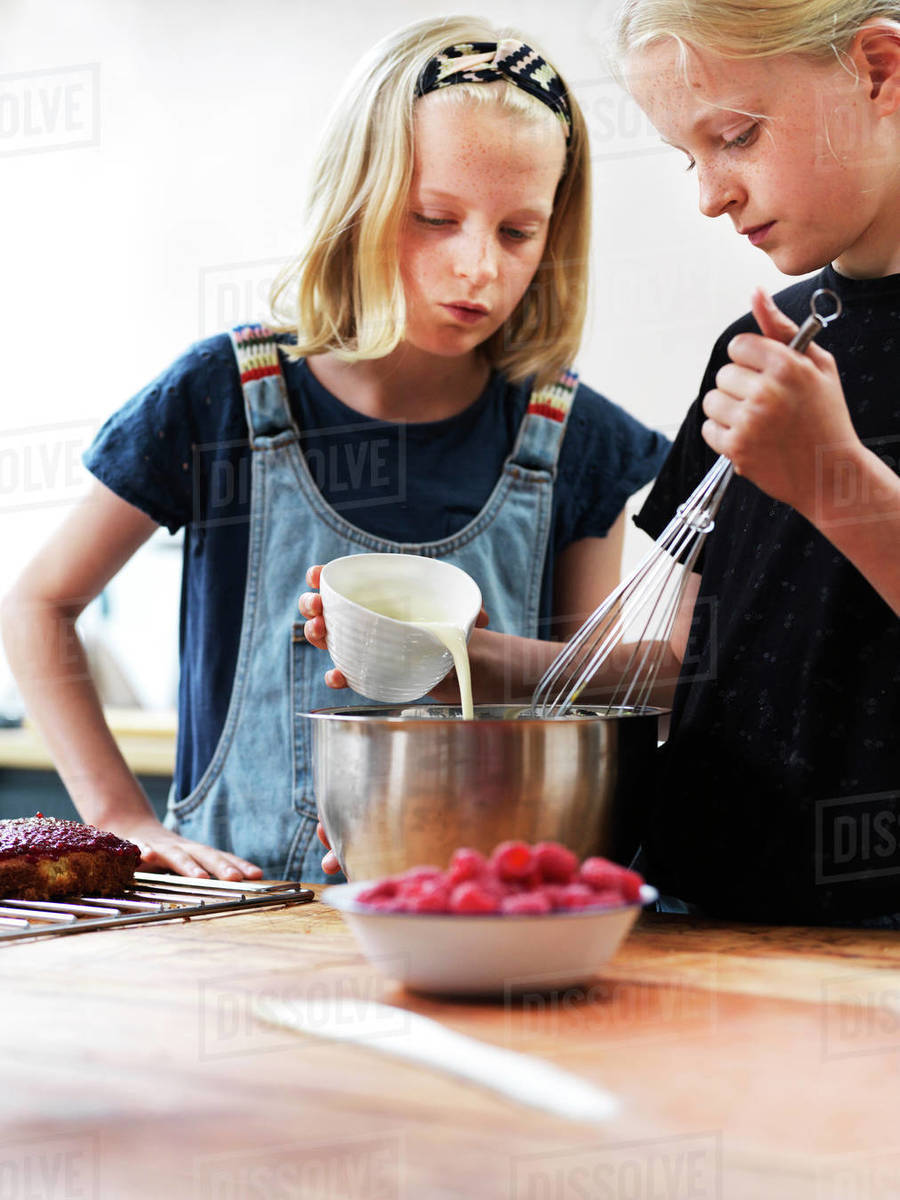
{"x":454,"y":639}
{"x":450,"y":635}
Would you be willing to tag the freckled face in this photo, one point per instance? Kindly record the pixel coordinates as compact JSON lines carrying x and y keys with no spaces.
{"x":804,"y":180}
{"x":477,"y":220}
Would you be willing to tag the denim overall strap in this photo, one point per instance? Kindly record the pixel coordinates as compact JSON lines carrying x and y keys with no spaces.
{"x":256,"y":796}
{"x":266,"y":401}
{"x":544,"y":426}
{"x":511,"y":571}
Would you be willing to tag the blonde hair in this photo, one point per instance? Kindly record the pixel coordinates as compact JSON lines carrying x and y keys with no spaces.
{"x":749,"y":28}
{"x":344,"y":292}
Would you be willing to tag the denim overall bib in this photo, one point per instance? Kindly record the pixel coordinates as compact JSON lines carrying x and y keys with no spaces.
{"x":256,"y":798}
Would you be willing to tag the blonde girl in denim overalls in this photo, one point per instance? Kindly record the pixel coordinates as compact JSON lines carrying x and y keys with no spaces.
{"x":448,"y":239}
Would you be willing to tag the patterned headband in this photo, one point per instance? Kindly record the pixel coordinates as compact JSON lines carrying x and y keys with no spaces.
{"x":484,"y":62}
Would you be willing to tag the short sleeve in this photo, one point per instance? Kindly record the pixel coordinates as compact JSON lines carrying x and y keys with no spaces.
{"x":606,"y":457}
{"x":145,"y":452}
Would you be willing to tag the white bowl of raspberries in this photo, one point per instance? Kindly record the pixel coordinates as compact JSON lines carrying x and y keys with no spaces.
{"x":525,"y":918}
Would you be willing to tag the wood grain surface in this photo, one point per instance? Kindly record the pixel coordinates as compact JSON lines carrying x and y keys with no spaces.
{"x":752,"y":1062}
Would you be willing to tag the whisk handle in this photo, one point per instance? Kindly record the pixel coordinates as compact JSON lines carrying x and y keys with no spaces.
{"x":816,"y":321}
{"x":806,"y":333}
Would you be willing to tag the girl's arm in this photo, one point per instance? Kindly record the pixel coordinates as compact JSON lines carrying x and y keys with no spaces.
{"x":586,"y":573}
{"x":50,"y":666}
{"x":782,"y":419}
{"x":506,"y":668}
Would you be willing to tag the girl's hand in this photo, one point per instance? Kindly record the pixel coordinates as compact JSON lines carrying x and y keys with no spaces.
{"x":778,"y":415}
{"x":330,"y":864}
{"x":160,"y":847}
{"x":310,"y":605}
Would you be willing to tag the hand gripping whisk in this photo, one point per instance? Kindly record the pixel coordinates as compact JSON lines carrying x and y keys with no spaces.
{"x":634,"y":623}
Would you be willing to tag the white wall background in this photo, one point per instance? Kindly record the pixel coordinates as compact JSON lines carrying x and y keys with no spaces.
{"x":153,"y":163}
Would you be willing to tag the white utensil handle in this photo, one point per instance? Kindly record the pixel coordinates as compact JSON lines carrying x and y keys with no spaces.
{"x":403,"y":1034}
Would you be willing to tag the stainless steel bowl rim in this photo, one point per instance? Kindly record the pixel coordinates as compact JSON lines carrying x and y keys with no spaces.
{"x":394,"y":714}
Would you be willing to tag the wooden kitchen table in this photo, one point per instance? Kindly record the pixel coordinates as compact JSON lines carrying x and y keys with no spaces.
{"x":751,"y":1062}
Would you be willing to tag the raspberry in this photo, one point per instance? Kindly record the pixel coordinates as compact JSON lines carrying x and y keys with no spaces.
{"x":630,"y":883}
{"x":385,"y":904}
{"x":493,"y":886}
{"x":471,"y":897}
{"x":556,"y":863}
{"x":575,"y":895}
{"x":525,"y":902}
{"x":609,"y":898}
{"x":384,"y":889}
{"x":600,"y":874}
{"x":552,"y":893}
{"x":419,"y":874}
{"x":432,"y":895}
{"x":517,"y":878}
{"x":465,"y":864}
{"x":513,"y":860}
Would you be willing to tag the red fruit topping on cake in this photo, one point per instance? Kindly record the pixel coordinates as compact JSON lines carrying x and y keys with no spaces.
{"x":47,"y":858}
{"x":472,"y":898}
{"x":513,"y":861}
{"x":556,"y":863}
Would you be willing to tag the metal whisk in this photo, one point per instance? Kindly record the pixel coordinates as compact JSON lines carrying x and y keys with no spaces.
{"x":636,"y":620}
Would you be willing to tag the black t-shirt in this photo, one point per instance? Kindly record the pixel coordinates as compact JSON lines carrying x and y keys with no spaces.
{"x":178,"y":450}
{"x":779,"y":788}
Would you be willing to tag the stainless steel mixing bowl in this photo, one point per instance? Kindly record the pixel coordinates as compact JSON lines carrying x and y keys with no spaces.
{"x":398,"y":786}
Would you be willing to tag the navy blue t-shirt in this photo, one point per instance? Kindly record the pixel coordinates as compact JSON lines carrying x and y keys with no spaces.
{"x":179,"y":452}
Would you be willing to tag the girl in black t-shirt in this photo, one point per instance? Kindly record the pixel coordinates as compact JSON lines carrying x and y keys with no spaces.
{"x":780,"y":783}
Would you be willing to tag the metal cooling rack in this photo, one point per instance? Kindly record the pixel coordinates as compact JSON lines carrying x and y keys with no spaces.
{"x":152,"y":898}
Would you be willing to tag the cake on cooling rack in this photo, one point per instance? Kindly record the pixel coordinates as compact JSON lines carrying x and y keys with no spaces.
{"x":43,"y":858}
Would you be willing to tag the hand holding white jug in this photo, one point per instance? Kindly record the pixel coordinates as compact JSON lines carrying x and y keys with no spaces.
{"x":396,"y":623}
